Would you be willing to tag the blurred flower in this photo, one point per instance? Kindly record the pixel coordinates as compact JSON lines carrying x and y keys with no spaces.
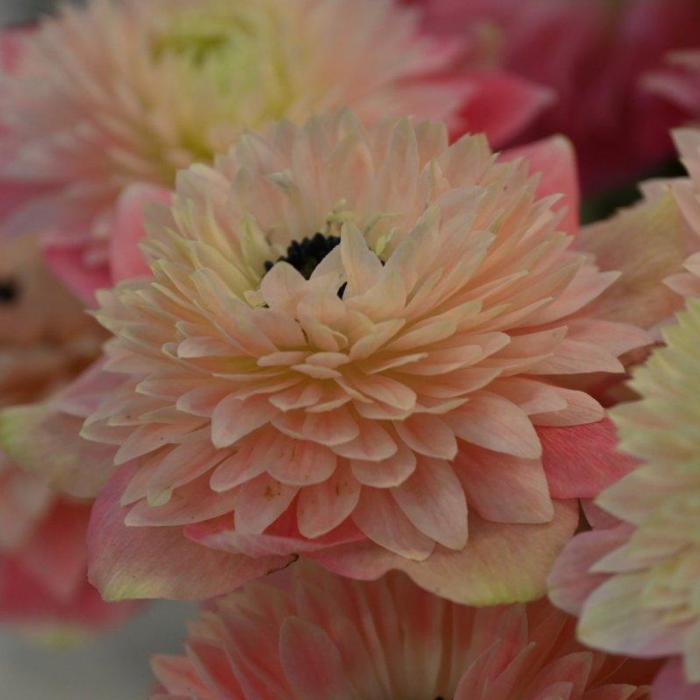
{"x":655,"y":245}
{"x":350,"y":337}
{"x":130,"y":92}
{"x":597,"y":57}
{"x":327,"y":638}
{"x":634,"y":580}
{"x":45,"y":339}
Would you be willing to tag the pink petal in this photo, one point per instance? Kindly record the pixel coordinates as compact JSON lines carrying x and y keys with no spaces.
{"x":125,"y":257}
{"x":136,"y":562}
{"x":503,"y":488}
{"x":433,"y":500}
{"x":381,"y":519}
{"x":312,"y":663}
{"x":500,"y":564}
{"x":582,"y":460}
{"x":323,"y":507}
{"x":571,"y":582}
{"x":501,"y":105}
{"x":671,"y":684}
{"x":555,"y":159}
{"x":67,"y":263}
{"x":493,"y":422}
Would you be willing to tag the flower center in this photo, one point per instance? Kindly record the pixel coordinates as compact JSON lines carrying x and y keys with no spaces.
{"x":9,"y":291}
{"x":193,"y":38}
{"x":305,"y":255}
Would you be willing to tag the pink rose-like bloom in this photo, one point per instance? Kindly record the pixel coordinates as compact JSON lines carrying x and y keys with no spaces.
{"x":351,"y":348}
{"x":635,"y":579}
{"x":117,"y":93}
{"x":325,"y":638}
{"x":599,"y":58}
{"x":45,"y":339}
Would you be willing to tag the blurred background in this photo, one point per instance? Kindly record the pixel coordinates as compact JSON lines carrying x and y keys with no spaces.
{"x":111,"y":667}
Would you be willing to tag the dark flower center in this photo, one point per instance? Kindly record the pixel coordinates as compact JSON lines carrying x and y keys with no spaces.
{"x":9,"y":291}
{"x":305,"y":255}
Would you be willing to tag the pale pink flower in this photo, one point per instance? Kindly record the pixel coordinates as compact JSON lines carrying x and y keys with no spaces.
{"x":598,"y":58}
{"x":654,"y":244}
{"x":45,"y":340}
{"x":130,"y":92}
{"x":634,"y":579}
{"x":351,"y":338}
{"x":325,"y":638}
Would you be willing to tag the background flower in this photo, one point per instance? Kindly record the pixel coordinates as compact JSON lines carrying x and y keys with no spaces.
{"x":331,"y":638}
{"x":634,"y":580}
{"x":130,"y":92}
{"x":351,"y":337}
{"x":43,"y":554}
{"x":655,"y":245}
{"x":597,"y":57}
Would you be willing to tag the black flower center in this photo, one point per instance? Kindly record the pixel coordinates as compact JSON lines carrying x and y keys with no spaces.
{"x":9,"y":290}
{"x":305,"y":255}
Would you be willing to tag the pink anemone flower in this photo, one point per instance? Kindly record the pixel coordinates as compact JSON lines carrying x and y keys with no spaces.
{"x":122,"y":93}
{"x":325,"y":638}
{"x":45,"y":339}
{"x":355,"y":345}
{"x":599,"y":58}
{"x":633,"y":580}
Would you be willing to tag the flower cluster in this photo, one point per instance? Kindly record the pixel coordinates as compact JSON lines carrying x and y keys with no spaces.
{"x":282,"y":333}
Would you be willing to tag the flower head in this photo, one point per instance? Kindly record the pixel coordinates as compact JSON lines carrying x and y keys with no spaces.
{"x":635,"y":584}
{"x":45,"y":340}
{"x":351,"y":338}
{"x":130,"y":92}
{"x":331,"y":638}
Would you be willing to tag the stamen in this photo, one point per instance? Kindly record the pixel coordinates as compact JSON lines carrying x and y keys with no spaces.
{"x":305,"y":255}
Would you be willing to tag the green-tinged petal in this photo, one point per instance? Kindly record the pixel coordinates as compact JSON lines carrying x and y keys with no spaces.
{"x":500,"y":564}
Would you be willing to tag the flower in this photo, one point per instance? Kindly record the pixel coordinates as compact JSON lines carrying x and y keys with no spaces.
{"x":655,"y":245}
{"x":122,"y":93}
{"x":45,"y":339}
{"x":323,"y":637}
{"x":352,"y":336}
{"x":598,"y":58}
{"x":634,"y":580}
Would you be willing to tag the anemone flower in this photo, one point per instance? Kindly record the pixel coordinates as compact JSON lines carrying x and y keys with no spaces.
{"x":633,"y":580}
{"x":325,"y":638}
{"x":600,"y":59}
{"x":43,"y":553}
{"x":118,"y":93}
{"x":355,"y":345}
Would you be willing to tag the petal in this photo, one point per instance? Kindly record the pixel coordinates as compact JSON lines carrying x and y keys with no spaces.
{"x":503,"y":488}
{"x":312,"y":663}
{"x":134,"y":562}
{"x":68,"y":265}
{"x":233,"y":419}
{"x":493,"y":422}
{"x":571,"y":582}
{"x":502,"y":104}
{"x":323,"y":507}
{"x":554,"y":159}
{"x":125,"y":257}
{"x":433,"y":500}
{"x":500,"y":564}
{"x":388,"y":472}
{"x":672,"y":684}
{"x":260,"y":502}
{"x":582,"y":460}
{"x":380,"y":518}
